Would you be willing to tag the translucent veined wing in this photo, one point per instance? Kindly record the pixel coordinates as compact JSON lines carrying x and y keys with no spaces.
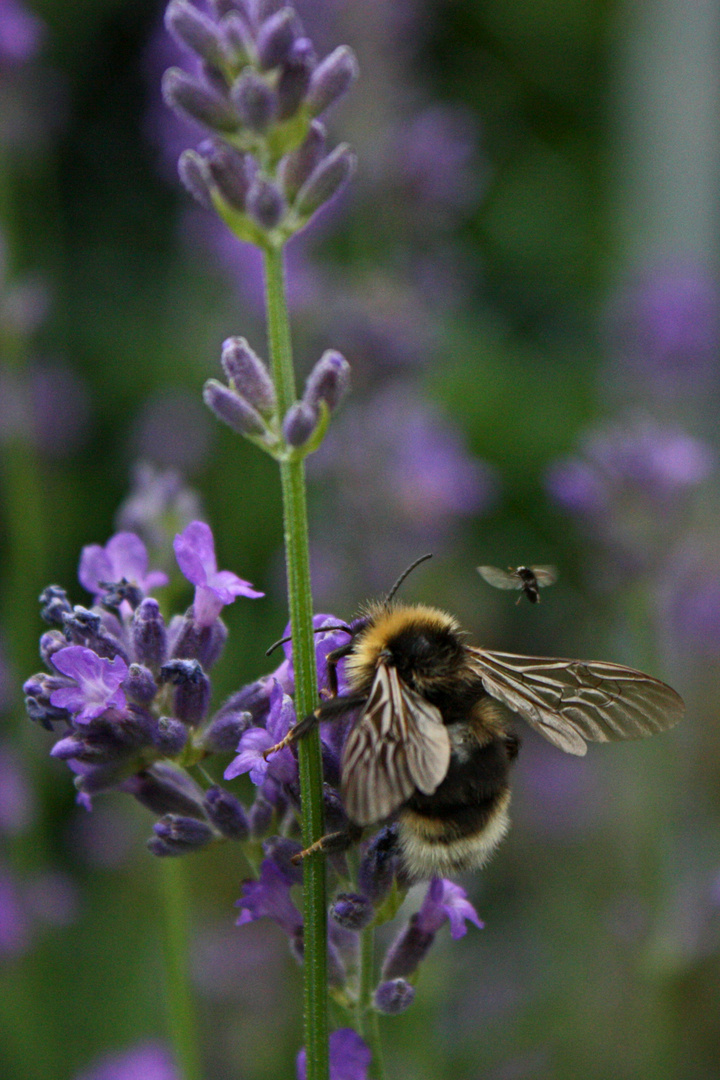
{"x":399,"y":743}
{"x":544,"y":575}
{"x":571,"y":701}
{"x":500,"y":579}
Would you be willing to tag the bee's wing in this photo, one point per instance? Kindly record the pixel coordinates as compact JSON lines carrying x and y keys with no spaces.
{"x":571,"y":701}
{"x":398,"y":743}
{"x":500,"y":579}
{"x":544,"y":575}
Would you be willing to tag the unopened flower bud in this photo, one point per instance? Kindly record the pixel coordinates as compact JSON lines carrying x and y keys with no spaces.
{"x":352,"y":911}
{"x":171,"y":736}
{"x":191,"y":641}
{"x":229,"y":173}
{"x":394,"y":997}
{"x":192,"y":28}
{"x":149,"y":635}
{"x":237,"y":38}
{"x":299,"y":423}
{"x":297,"y":166}
{"x":377,"y":867}
{"x":276,"y":36}
{"x":265,"y":8}
{"x":192,"y":689}
{"x":227,"y":813}
{"x":223,"y":732}
{"x":207,"y":106}
{"x":407,"y":951}
{"x":332,"y":78}
{"x":260,"y":816}
{"x":232,"y":409}
{"x":294,"y":78}
{"x":165,"y":789}
{"x":50,"y":643}
{"x":179,"y":835}
{"x":194,"y":176}
{"x":329,"y":381}
{"x":55,"y":604}
{"x":255,"y":101}
{"x":265,"y":203}
{"x":140,"y":684}
{"x":326,"y":179}
{"x":248,"y":374}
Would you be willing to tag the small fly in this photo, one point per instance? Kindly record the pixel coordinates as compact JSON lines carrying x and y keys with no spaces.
{"x":528,"y":578}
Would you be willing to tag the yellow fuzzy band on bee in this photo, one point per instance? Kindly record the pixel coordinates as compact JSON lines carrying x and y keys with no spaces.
{"x":384,"y":623}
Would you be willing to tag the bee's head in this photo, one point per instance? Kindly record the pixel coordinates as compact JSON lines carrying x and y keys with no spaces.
{"x":422,"y":643}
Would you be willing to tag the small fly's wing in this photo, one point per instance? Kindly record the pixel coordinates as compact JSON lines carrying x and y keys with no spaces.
{"x":500,"y":579}
{"x":544,"y":575}
{"x":399,"y":743}
{"x":570,"y":701}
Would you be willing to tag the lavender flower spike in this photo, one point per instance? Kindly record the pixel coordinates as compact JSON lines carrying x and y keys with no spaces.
{"x":98,"y":683}
{"x":195,"y":554}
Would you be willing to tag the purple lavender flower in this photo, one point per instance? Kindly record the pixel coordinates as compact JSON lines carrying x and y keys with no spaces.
{"x":97,"y":679}
{"x":195,"y":554}
{"x":123,"y":557}
{"x":269,"y":897}
{"x":158,"y":505}
{"x":147,"y":1061}
{"x":444,"y":901}
{"x":349,"y":1057}
{"x":282,"y":766}
{"x":172,"y":429}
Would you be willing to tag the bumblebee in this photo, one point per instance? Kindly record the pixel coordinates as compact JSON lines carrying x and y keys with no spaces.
{"x":528,"y":578}
{"x":432,"y":746}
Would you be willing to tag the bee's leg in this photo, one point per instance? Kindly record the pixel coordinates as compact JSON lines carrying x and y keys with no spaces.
{"x":330,"y":710}
{"x":332,"y":843}
{"x":333,"y":659}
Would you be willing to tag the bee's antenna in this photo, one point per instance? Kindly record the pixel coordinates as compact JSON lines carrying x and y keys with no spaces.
{"x":398,"y":583}
{"x":319,"y":630}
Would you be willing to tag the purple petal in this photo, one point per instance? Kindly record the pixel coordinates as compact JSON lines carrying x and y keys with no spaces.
{"x":195,"y":552}
{"x":269,"y":897}
{"x":98,"y":682}
{"x":249,"y":759}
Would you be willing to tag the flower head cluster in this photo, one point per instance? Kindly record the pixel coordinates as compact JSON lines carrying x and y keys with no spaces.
{"x":130,"y":694}
{"x":258,"y":90}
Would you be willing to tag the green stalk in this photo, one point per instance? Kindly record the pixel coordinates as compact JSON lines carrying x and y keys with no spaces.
{"x":297,"y":559}
{"x":182,"y":1022}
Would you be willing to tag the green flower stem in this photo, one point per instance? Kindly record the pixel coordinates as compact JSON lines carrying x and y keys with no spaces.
{"x":297,"y":558}
{"x":367,"y":1017}
{"x":182,"y":1022}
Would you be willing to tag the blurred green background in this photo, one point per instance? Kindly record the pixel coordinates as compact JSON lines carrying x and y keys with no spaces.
{"x":528,"y":256}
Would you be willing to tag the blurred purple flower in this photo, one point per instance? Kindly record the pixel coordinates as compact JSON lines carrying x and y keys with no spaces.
{"x":349,"y":1057}
{"x":16,"y":802}
{"x":124,"y":556}
{"x":53,"y":898}
{"x":665,"y":328}
{"x":158,"y":505}
{"x":269,"y":897}
{"x":690,"y":600}
{"x":172,"y":429}
{"x":148,"y":1061}
{"x":434,"y":155}
{"x":98,"y":683}
{"x":195,"y":554}
{"x":21,"y":33}
{"x":14,"y":921}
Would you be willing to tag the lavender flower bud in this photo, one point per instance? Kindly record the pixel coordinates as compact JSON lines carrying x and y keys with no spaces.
{"x":100,"y":778}
{"x":255,"y":101}
{"x":265,"y":203}
{"x":241,"y":8}
{"x":265,"y":8}
{"x":352,"y":911}
{"x":329,"y":381}
{"x":237,"y":38}
{"x":189,"y":97}
{"x":222,"y":734}
{"x":281,"y":849}
{"x":84,"y":627}
{"x":149,"y":635}
{"x":166,"y":789}
{"x":230,"y":173}
{"x":179,"y":835}
{"x":407,"y":951}
{"x":72,"y":746}
{"x":275,"y":38}
{"x":248,"y":375}
{"x":326,"y":179}
{"x":171,"y":736}
{"x":232,"y":409}
{"x":296,"y":167}
{"x":394,"y":997}
{"x":190,"y":641}
{"x":55,"y":604}
{"x":192,"y":28}
{"x":332,"y":78}
{"x":294,"y":78}
{"x":192,"y":693}
{"x":227,"y":813}
{"x":140,"y":684}
{"x":194,"y":176}
{"x":37,"y":690}
{"x":260,"y":816}
{"x":50,"y":643}
{"x":299,"y":423}
{"x":377,"y":867}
